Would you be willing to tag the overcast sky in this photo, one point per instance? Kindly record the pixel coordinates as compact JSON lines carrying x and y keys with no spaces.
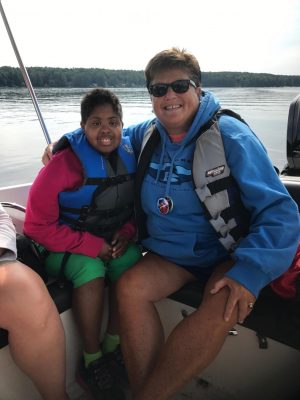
{"x":225,"y":35}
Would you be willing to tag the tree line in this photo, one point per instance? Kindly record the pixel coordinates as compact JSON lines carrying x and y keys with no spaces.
{"x":96,"y":77}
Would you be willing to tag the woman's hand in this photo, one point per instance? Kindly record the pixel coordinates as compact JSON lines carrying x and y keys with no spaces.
{"x":47,"y":154}
{"x":239,"y":296}
{"x":119,"y":245}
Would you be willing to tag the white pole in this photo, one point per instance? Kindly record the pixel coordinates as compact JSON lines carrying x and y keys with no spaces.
{"x":25,"y":76}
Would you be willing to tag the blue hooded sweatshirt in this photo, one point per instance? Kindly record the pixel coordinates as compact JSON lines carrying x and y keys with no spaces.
{"x":184,"y":236}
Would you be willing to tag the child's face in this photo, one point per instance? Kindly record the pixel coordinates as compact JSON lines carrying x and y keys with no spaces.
{"x":103,"y":129}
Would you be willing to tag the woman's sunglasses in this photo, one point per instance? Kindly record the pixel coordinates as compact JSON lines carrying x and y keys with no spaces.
{"x":179,"y":86}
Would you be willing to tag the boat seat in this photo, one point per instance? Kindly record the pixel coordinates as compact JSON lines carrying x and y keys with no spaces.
{"x":271,"y":317}
{"x":293,"y":186}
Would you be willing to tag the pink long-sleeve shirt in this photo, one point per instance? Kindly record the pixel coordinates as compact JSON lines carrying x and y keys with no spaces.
{"x":63,"y":172}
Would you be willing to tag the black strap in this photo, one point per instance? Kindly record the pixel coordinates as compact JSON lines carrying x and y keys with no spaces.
{"x":233,"y":211}
{"x":30,"y":255}
{"x":85,"y":211}
{"x":238,"y":232}
{"x":230,"y":113}
{"x":97,"y":230}
{"x":62,"y":143}
{"x":220,"y":184}
{"x":109,"y":181}
{"x":143,"y":164}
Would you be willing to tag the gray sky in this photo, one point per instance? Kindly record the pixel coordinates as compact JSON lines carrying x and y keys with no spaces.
{"x":225,"y":35}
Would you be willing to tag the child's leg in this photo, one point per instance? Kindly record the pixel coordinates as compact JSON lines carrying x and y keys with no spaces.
{"x":88,"y":311}
{"x":114,"y":270}
{"x":87,"y":275}
{"x":111,"y":339}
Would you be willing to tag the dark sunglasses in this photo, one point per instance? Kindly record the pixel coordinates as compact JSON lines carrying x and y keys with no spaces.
{"x":179,"y":86}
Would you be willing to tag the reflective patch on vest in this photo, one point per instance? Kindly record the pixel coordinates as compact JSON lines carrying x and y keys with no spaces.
{"x":215,"y":171}
{"x":127,"y":148}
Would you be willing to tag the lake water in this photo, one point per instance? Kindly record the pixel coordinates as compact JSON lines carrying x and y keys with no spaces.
{"x":23,"y":142}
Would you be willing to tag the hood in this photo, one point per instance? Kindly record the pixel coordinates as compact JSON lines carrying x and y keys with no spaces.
{"x":209,"y":105}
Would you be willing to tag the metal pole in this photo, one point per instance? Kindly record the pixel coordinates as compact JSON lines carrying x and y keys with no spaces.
{"x":25,"y":76}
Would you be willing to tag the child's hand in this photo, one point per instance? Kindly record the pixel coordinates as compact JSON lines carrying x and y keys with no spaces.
{"x":119,"y":245}
{"x":106,"y":252}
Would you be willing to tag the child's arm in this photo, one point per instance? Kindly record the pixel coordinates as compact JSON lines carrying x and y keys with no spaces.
{"x":42,"y":223}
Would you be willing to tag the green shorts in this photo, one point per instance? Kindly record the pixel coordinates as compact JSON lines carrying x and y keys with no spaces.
{"x":80,"y":269}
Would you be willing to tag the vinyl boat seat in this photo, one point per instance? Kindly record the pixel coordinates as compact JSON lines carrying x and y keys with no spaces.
{"x":271,"y":317}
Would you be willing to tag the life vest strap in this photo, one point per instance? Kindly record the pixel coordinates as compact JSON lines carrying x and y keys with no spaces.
{"x":109,"y":181}
{"x":220,"y":184}
{"x":86,"y":211}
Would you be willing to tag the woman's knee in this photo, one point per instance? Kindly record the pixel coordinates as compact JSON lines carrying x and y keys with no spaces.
{"x":17,"y":278}
{"x":24,"y":296}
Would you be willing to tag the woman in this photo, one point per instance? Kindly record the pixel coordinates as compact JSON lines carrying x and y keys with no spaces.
{"x":230,"y":222}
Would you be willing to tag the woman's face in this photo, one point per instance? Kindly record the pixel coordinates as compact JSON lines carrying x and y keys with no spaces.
{"x":103,"y":129}
{"x":175,"y":111}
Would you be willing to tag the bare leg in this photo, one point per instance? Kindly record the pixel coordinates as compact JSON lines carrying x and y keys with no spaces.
{"x":113,"y":320}
{"x":158,"y":371}
{"x":36,"y":335}
{"x":142,"y":338}
{"x":88,"y":309}
{"x":191,"y":347}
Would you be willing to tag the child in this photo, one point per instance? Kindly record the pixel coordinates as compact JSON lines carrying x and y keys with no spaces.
{"x":80,"y":209}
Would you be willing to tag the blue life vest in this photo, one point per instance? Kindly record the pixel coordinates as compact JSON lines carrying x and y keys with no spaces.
{"x":104,"y":202}
{"x":215,"y":186}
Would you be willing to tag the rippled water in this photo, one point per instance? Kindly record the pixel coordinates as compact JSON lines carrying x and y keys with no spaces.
{"x":23,"y":142}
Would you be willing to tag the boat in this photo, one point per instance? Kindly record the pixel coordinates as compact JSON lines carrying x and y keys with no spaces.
{"x":260,"y":358}
{"x":269,"y":339}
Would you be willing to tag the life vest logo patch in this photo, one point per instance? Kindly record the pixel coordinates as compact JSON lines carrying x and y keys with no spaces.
{"x":127,"y":148}
{"x":215,"y":171}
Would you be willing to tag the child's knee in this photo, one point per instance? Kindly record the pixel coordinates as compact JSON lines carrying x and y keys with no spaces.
{"x":119,"y":265}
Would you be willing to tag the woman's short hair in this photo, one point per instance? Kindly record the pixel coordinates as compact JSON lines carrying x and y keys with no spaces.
{"x":173,"y":58}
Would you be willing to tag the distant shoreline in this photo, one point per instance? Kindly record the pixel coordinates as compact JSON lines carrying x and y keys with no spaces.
{"x":49,"y":77}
